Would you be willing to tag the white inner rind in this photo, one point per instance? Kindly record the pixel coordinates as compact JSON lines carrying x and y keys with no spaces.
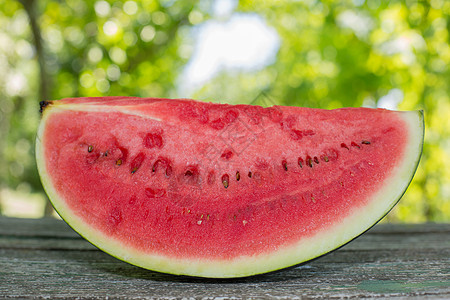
{"x":129,"y":110}
{"x":305,"y":249}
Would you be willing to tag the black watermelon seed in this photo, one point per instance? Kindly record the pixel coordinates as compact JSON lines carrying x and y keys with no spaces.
{"x":343,"y":145}
{"x":225,"y":180}
{"x":284,"y":163}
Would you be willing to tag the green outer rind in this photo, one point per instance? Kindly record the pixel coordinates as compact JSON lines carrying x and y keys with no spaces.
{"x":305,"y":250}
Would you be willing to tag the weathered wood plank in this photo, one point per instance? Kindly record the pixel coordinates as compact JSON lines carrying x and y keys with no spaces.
{"x":47,"y":227}
{"x":45,"y":258}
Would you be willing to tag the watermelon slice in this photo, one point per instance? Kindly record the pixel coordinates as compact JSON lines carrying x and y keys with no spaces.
{"x":216,"y":190}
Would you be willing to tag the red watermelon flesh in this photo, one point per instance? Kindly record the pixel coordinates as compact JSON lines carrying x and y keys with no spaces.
{"x":217,"y":190}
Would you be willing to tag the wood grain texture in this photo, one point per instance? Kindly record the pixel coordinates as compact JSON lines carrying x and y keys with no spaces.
{"x":45,"y":258}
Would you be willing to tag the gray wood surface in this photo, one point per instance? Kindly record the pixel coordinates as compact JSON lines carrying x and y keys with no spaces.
{"x":46,"y":259}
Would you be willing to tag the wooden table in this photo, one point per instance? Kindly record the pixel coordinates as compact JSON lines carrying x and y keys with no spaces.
{"x":44,"y":258}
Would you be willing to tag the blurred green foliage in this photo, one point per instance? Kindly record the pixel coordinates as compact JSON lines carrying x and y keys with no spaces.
{"x":332,"y":54}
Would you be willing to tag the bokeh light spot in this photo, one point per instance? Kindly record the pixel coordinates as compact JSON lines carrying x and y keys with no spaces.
{"x":102,"y":85}
{"x":159,"y":18}
{"x":118,"y":55}
{"x":130,"y":8}
{"x":95,"y":54}
{"x":102,"y":8}
{"x":110,"y":28}
{"x":113,"y":72}
{"x":147,"y":33}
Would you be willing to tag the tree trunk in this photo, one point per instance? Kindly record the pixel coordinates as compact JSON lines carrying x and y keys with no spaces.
{"x":44,"y":86}
{"x":44,"y":82}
